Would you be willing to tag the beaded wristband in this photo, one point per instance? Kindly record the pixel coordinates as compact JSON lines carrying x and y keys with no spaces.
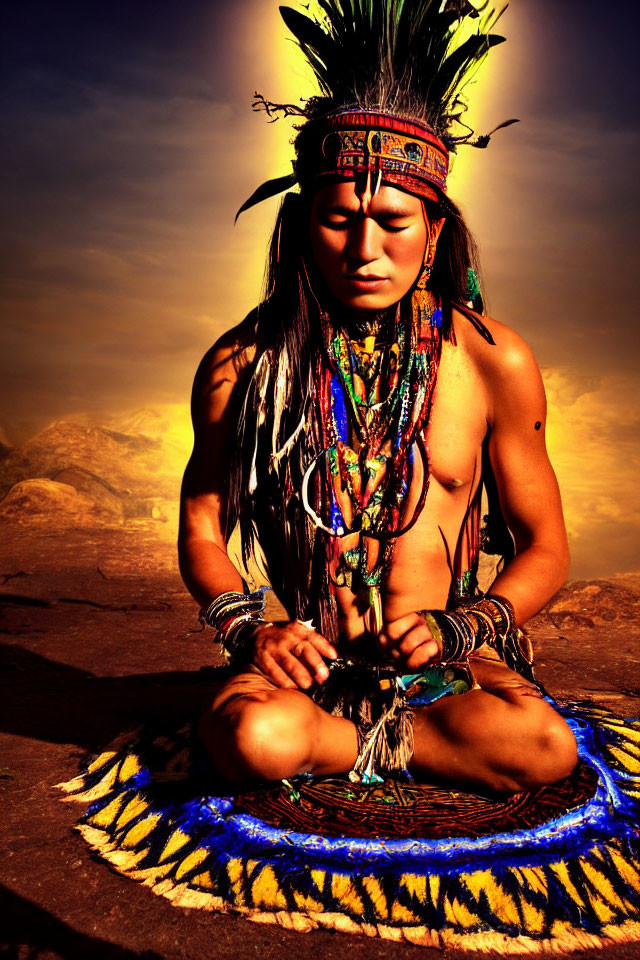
{"x":490,"y":620}
{"x":234,"y":617}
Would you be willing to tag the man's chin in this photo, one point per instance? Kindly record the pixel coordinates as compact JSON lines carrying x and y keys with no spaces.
{"x":367,"y":303}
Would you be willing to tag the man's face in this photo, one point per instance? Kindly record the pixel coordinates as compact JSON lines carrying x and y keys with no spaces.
{"x":369,"y":255}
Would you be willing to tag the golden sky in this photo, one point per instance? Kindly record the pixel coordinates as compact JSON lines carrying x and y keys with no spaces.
{"x":132,"y":144}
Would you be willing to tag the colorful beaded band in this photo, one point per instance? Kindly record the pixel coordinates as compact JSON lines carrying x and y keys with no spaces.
{"x":402,"y":152}
{"x":490,"y":620}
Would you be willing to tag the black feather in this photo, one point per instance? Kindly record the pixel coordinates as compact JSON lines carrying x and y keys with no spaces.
{"x":409,"y":57}
{"x":270,"y":188}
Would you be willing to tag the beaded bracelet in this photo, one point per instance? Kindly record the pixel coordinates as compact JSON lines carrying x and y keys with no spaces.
{"x":234,"y":617}
{"x":490,"y":620}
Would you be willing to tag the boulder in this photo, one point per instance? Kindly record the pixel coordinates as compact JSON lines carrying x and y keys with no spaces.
{"x":59,"y":505}
{"x":102,"y":494}
{"x":588,"y":602}
{"x":126,"y":464}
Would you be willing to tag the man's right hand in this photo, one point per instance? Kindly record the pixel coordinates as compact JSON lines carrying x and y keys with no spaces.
{"x":291,"y":654}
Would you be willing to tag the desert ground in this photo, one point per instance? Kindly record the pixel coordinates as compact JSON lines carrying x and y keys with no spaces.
{"x":98,"y":635}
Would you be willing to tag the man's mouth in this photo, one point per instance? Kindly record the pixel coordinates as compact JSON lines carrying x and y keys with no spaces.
{"x":365,"y":281}
{"x":364,"y":276}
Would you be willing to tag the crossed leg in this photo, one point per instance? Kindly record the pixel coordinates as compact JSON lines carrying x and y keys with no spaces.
{"x":504,"y":736}
{"x":255,"y":729}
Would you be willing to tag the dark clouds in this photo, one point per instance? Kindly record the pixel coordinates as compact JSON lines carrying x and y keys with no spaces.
{"x":587,"y":58}
{"x":130,"y":144}
{"x":152,"y":46}
{"x":554,"y":201}
{"x":118,"y":120}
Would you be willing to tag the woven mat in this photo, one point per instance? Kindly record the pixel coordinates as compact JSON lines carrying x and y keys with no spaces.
{"x":554,"y":869}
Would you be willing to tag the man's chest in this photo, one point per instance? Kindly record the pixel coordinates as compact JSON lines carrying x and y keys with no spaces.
{"x":437,"y":546}
{"x":453,"y":431}
{"x":458,"y":421}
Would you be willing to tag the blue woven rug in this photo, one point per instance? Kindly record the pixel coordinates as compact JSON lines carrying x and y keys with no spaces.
{"x":555,"y":869}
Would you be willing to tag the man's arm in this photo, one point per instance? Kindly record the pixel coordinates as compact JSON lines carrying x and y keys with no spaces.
{"x":290,"y":653}
{"x":204,"y":563}
{"x":527,"y":486}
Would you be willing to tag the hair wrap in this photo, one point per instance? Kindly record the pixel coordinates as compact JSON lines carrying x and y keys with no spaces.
{"x":399,"y":151}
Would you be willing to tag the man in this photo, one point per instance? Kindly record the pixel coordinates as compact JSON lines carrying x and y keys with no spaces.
{"x":351,"y":422}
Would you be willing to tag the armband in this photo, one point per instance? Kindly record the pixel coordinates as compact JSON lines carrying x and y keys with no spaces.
{"x":234,"y":617}
{"x":490,"y":620}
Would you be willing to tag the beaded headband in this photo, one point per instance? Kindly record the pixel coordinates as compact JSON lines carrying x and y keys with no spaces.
{"x":402,"y":152}
{"x":392,"y":149}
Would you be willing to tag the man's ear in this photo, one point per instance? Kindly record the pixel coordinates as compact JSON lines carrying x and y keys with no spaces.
{"x":435,"y":227}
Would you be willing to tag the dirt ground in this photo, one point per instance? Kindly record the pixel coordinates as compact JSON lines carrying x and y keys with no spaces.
{"x":98,"y":634}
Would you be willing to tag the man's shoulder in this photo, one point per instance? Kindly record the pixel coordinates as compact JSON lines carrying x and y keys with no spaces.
{"x":507,"y":368}
{"x":230,"y":355}
{"x":501,"y":354}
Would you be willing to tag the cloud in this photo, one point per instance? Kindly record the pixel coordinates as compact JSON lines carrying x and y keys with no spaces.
{"x":593,"y":438}
{"x":119,"y":236}
{"x":121,"y":240}
{"x":131,"y":145}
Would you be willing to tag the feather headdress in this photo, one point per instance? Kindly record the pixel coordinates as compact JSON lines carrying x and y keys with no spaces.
{"x":391,"y":75}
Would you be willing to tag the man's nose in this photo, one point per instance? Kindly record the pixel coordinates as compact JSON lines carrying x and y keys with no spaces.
{"x":362,"y":243}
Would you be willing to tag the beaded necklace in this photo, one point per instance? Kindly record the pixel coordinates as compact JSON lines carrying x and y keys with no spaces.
{"x":374,"y":396}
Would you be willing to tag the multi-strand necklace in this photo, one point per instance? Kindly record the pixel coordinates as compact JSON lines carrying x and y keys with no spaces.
{"x":374,"y":392}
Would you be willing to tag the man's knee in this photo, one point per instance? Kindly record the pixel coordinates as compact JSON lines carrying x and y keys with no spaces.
{"x":260,"y":737}
{"x":557,"y":749}
{"x":553,"y":752}
{"x":529,"y":743}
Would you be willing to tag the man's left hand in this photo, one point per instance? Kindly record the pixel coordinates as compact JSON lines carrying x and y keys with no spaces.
{"x":408,"y":641}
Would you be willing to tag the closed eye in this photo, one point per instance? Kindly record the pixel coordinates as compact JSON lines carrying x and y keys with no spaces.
{"x":392,"y":226}
{"x":339,"y":216}
{"x":337,"y":223}
{"x":341,"y":222}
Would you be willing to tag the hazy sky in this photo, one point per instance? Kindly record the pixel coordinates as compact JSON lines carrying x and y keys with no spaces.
{"x":131,"y":144}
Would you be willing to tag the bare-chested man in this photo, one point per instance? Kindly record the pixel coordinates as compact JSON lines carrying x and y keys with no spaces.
{"x":368,"y":249}
{"x":350,"y":426}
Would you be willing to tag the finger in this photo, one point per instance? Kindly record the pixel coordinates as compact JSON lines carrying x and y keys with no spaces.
{"x":388,"y":642}
{"x":312,"y":659}
{"x":299,"y":628}
{"x":322,"y":645}
{"x":394,"y":629}
{"x":413,"y":639}
{"x":271,"y":669}
{"x":422,"y":655}
{"x":295,"y":669}
{"x":302,"y":632}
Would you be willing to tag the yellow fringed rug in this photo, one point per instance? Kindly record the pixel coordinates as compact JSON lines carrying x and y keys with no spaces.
{"x":553,"y":871}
